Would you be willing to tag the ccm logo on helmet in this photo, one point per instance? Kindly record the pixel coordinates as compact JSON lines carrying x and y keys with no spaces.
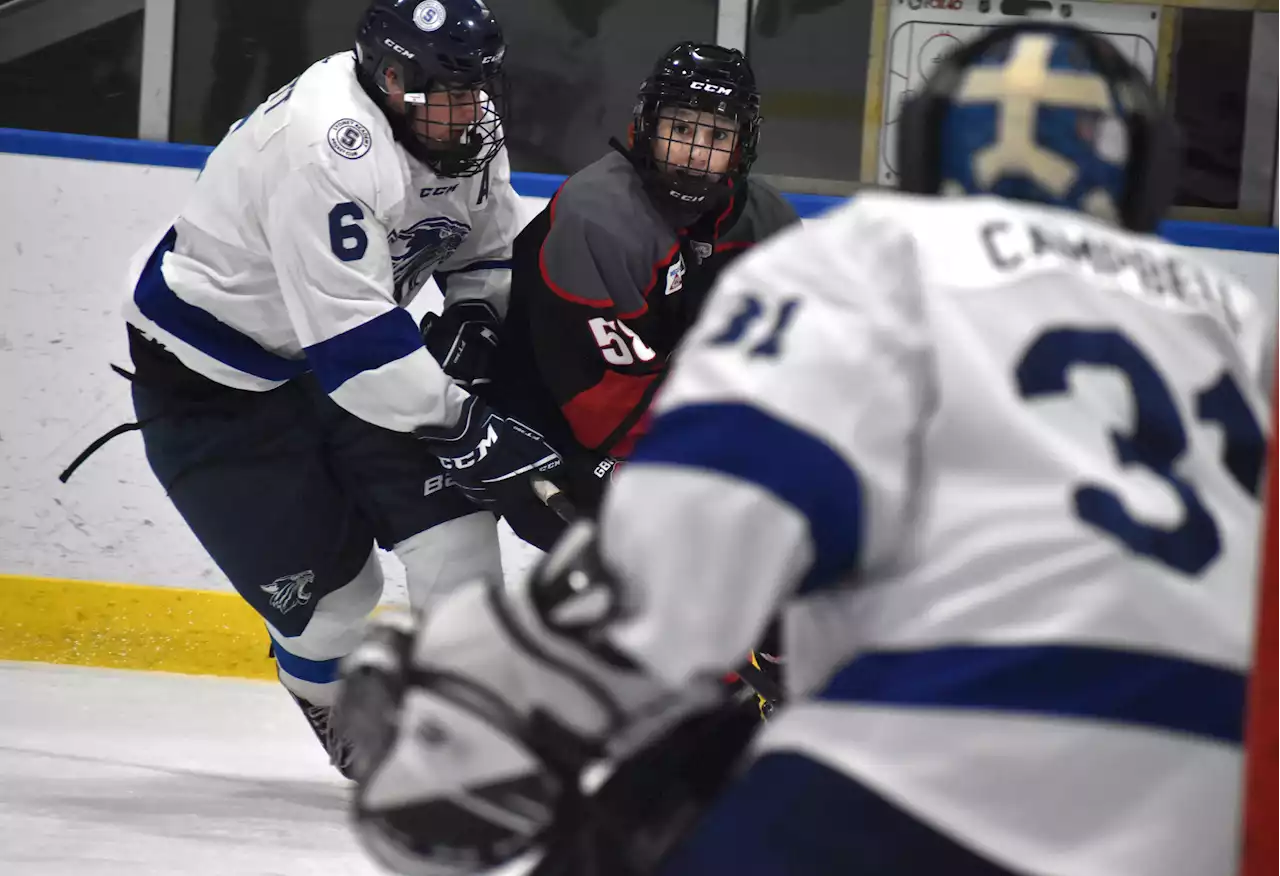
{"x":710,"y":88}
{"x":397,"y":48}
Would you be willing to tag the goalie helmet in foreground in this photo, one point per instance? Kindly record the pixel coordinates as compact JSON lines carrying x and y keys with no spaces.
{"x":1042,"y":112}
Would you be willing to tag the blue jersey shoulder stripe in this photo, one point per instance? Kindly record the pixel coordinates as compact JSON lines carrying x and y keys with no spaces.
{"x":744,"y":442}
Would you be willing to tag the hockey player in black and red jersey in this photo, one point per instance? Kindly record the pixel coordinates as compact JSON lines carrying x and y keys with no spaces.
{"x":607,"y":279}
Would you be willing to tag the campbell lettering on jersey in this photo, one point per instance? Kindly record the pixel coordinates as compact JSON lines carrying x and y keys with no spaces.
{"x":1160,"y":276}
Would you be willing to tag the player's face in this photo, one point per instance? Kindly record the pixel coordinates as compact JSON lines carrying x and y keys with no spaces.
{"x":445,"y":117}
{"x":448,"y":114}
{"x":695,"y":141}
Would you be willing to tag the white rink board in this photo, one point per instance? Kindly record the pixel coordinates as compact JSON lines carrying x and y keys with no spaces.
{"x":64,"y":255}
{"x":918,"y":38}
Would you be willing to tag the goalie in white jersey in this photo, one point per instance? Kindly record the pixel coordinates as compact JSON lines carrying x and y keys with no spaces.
{"x":286,"y":399}
{"x":995,"y":458}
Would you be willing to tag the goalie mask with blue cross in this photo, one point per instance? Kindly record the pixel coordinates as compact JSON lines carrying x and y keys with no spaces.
{"x":1046,"y":113}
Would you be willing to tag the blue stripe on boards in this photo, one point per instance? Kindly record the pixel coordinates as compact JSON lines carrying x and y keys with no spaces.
{"x":1213,"y":235}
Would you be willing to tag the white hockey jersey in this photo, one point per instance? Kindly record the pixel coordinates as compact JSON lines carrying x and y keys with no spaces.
{"x":308,"y":232}
{"x":1001,"y":462}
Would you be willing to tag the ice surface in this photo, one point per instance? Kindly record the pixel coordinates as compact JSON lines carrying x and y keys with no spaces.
{"x":119,"y":773}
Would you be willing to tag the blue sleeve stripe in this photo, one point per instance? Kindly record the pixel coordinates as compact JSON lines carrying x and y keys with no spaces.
{"x":489,"y":265}
{"x":201,"y":329}
{"x":1101,"y":684}
{"x":380,"y":341}
{"x":799,"y":469}
{"x":303,"y":668}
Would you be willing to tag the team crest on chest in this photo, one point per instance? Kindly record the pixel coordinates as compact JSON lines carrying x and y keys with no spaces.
{"x":675,"y":276}
{"x":416,"y":250}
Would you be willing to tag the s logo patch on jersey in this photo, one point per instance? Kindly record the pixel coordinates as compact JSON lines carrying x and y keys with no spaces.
{"x":349,"y":138}
{"x":429,"y":15}
{"x":416,"y":250}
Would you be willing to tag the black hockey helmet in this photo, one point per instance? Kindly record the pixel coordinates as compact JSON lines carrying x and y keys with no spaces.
{"x":447,"y":56}
{"x":708,"y":94}
{"x":1044,"y":112}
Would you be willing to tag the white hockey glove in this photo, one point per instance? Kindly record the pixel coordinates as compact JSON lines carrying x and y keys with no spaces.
{"x":472,"y":732}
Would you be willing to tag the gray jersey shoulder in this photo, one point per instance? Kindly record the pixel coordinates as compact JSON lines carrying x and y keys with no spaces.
{"x":765,"y":213}
{"x":605,"y":236}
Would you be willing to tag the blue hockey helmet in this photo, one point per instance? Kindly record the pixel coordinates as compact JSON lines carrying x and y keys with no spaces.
{"x":446,"y":57}
{"x":1042,"y":112}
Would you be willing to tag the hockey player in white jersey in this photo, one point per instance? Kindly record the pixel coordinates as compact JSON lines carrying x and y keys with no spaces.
{"x":995,"y":458}
{"x":287,"y":402}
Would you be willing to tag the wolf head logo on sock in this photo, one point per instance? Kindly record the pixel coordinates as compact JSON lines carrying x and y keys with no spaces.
{"x":289,"y":591}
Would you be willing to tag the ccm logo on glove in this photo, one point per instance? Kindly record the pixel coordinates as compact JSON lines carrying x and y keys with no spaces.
{"x":481,"y":450}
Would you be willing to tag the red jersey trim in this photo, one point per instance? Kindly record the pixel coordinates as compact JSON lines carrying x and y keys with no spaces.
{"x":595,"y":413}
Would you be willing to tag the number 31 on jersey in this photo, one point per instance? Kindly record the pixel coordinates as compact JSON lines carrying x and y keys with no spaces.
{"x":1157,"y":441}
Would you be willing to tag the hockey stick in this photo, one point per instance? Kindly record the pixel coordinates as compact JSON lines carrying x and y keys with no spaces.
{"x":764,"y":686}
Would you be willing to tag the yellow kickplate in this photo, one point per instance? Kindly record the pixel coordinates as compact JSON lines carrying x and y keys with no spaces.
{"x":126,"y":626}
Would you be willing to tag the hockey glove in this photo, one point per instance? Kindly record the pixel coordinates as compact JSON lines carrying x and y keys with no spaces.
{"x":493,"y":459}
{"x":463,"y":340}
{"x":472,"y":733}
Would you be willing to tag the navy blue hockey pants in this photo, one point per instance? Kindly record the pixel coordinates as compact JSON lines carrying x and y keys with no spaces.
{"x":288,"y":493}
{"x":788,"y":815}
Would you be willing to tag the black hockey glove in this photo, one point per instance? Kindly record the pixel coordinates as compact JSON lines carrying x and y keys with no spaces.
{"x":493,"y":459}
{"x":463,"y":340}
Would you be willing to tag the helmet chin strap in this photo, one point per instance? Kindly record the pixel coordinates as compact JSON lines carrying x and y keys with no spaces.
{"x":664,"y":186}
{"x":455,"y":158}
{"x":694,"y":191}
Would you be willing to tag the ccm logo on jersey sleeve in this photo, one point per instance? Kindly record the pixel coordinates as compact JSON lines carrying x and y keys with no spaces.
{"x":349,"y":138}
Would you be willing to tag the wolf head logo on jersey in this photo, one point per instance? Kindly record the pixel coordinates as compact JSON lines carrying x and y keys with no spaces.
{"x":416,"y":250}
{"x":289,"y":591}
{"x":1047,"y":113}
